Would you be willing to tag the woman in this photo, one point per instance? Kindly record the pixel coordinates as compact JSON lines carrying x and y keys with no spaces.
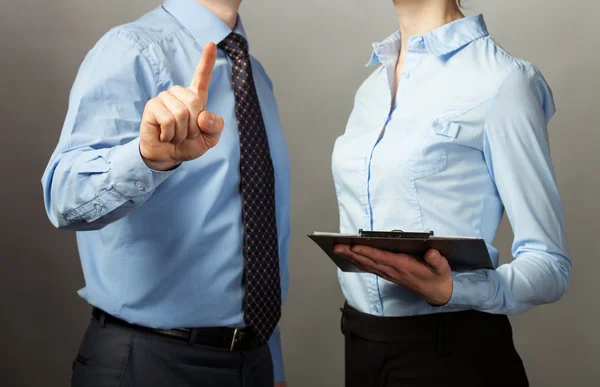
{"x":445,"y":135}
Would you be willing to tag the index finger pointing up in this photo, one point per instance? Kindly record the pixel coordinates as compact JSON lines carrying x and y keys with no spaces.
{"x":203,"y":73}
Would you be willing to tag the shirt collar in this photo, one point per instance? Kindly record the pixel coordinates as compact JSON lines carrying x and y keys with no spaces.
{"x":202,"y":24}
{"x":439,"y":42}
{"x":391,"y":45}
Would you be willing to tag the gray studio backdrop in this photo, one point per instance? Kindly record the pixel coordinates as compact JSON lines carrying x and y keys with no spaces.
{"x":314,"y":50}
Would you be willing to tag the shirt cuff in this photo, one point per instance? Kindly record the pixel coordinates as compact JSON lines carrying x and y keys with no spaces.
{"x":277,"y":356}
{"x":130,"y":175}
{"x":470,"y":289}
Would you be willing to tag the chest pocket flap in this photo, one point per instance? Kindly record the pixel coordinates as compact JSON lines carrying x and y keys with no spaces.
{"x":432,"y":154}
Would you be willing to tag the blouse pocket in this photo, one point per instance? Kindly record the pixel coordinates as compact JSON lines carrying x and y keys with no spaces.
{"x":431,"y":154}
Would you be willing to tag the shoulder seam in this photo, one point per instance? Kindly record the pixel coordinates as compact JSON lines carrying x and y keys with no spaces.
{"x":510,"y":57}
{"x":137,"y":42}
{"x":511,"y":70}
{"x":502,"y":50}
{"x":144,"y":49}
{"x":529,"y":69}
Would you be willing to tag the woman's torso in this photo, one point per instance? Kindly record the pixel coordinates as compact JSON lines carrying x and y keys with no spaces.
{"x":420,"y":166}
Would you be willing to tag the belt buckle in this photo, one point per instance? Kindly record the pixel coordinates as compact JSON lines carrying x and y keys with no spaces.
{"x":234,"y":339}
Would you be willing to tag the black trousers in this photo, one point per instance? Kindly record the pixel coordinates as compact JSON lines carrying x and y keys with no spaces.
{"x":113,"y":355}
{"x":462,"y":349}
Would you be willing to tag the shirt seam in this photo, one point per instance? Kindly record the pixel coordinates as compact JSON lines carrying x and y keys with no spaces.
{"x":495,"y":93}
{"x":145,"y":49}
{"x":125,"y":273}
{"x":469,"y":108}
{"x":137,"y":42}
{"x":513,"y":66}
{"x":416,"y":202}
{"x":502,"y":50}
{"x":79,"y":212}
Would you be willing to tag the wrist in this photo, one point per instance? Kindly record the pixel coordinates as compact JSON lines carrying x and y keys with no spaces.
{"x":161,"y":166}
{"x":157,"y":165}
{"x":444,"y":293}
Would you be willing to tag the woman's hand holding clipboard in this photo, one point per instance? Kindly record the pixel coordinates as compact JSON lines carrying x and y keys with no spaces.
{"x":417,"y":261}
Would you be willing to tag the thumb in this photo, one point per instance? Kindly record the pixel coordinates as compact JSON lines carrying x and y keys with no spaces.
{"x":436,"y":261}
{"x":211,"y":126}
{"x":210,"y":123}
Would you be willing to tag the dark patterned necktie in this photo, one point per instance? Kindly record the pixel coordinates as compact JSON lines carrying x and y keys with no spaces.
{"x":262,"y":305}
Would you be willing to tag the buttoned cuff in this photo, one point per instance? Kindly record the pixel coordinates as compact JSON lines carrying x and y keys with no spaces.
{"x":130,"y":176}
{"x":470,"y":289}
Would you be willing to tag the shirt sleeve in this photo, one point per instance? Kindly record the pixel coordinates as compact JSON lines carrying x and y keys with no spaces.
{"x":277,"y":355}
{"x":517,"y":153}
{"x":96,"y":174}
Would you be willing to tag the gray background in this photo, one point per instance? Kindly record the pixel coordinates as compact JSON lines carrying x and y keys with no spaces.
{"x":314,"y":51}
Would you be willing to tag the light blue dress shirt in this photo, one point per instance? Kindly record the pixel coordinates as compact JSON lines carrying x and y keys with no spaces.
{"x":465,"y":141}
{"x":160,"y":249}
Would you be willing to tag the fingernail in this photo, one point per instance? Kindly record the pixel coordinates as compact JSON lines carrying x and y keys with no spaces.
{"x":355,"y":249}
{"x":337,"y":250}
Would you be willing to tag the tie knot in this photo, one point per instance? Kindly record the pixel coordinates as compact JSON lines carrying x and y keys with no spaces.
{"x":235,"y":46}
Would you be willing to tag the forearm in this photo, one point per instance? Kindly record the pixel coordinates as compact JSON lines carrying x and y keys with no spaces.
{"x":517,"y":153}
{"x":88,"y":189}
{"x":534,"y":278}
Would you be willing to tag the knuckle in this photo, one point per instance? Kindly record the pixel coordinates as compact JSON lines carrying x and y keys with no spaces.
{"x":170,"y":120}
{"x":181,"y":112}
{"x":197,"y":102}
{"x":182,"y":132}
{"x":152,"y":104}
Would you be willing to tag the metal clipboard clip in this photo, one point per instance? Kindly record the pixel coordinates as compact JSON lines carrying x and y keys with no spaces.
{"x":399,"y":234}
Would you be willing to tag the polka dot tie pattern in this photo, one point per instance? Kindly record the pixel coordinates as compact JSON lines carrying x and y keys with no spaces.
{"x":262,"y":303}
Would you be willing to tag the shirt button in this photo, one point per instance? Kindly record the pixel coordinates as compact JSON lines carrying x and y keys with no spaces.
{"x":406,"y":75}
{"x":140,"y":185}
{"x":97,"y":207}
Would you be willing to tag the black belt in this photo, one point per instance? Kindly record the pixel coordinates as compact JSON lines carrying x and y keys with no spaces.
{"x":232,"y":339}
{"x":423,"y":328}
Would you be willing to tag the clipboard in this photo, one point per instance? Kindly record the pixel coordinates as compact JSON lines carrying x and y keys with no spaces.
{"x":462,"y":253}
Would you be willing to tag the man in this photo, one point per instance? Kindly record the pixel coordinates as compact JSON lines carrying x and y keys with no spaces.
{"x":180,"y":199}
